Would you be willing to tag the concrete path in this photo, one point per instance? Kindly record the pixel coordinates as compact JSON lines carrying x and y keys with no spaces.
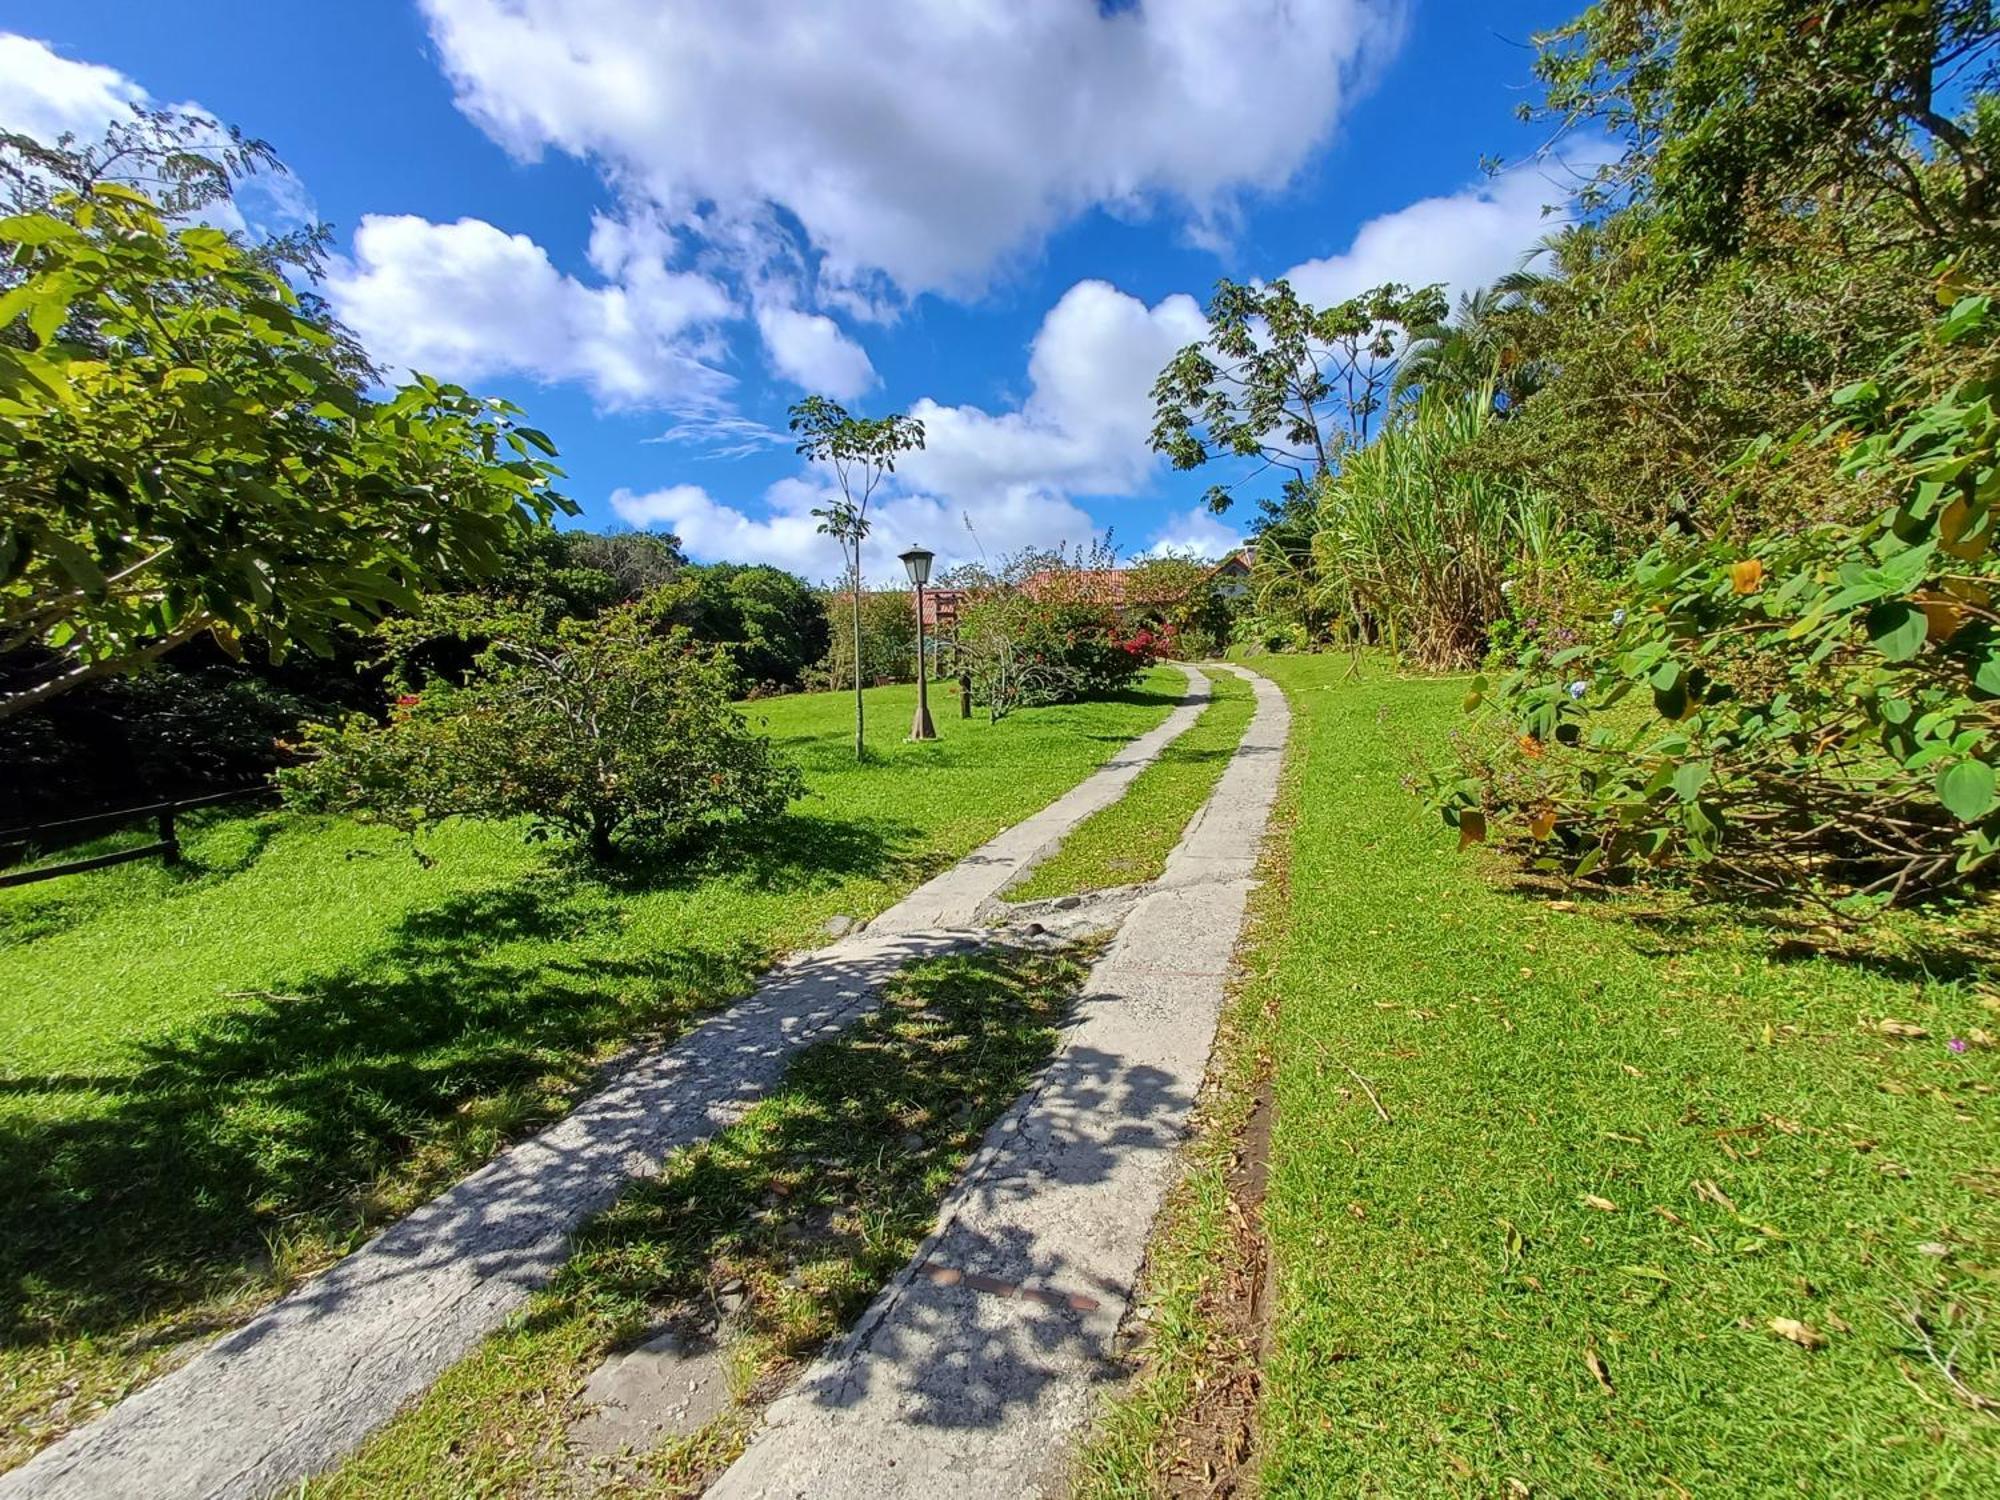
{"x":306,"y":1380}
{"x":977,"y":1368}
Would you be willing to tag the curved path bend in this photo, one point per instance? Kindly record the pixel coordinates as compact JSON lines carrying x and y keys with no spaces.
{"x":306,"y":1380}
{"x":975,"y":1370}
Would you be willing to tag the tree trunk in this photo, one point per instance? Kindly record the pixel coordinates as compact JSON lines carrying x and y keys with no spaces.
{"x":601,"y":847}
{"x":860,"y":745}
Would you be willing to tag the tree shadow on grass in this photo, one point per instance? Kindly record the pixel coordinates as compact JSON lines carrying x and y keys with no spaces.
{"x":316,"y":1110}
{"x":1941,"y":944}
{"x":791,"y":854}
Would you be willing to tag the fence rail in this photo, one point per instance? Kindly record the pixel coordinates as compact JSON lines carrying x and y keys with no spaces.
{"x":16,"y":841}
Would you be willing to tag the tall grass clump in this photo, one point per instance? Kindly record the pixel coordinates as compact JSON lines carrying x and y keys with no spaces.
{"x":1411,"y":544}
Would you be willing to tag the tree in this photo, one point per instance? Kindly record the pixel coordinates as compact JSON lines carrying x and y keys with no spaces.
{"x":636,"y":562}
{"x":602,"y":729}
{"x":187,"y":451}
{"x":862,"y":453}
{"x":1477,"y":350}
{"x":1724,"y":106}
{"x":771,"y":622}
{"x":1283,"y":383}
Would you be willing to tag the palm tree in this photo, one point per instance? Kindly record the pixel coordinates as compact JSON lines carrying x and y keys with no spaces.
{"x":1455,"y":357}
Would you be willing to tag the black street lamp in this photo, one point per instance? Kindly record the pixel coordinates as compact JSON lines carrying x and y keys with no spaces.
{"x":918,"y":562}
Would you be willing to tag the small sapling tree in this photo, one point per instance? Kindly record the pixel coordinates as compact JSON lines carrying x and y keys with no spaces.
{"x":861,"y":451}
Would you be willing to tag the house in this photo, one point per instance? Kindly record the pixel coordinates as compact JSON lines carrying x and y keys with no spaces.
{"x":1231,"y":576}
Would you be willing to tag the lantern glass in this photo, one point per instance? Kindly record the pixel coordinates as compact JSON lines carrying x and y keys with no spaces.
{"x":918,"y":561}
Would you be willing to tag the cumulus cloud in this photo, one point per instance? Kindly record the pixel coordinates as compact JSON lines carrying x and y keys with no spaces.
{"x":1464,"y":239}
{"x":991,"y":481}
{"x":788,"y":534}
{"x":810,"y":351}
{"x":1084,"y":425}
{"x":46,"y":95}
{"x":468,"y":301}
{"x":922,"y":141}
{"x":1195,"y":533}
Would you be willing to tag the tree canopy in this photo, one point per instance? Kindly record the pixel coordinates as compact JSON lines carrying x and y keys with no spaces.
{"x":187,"y":450}
{"x":1282,"y":383}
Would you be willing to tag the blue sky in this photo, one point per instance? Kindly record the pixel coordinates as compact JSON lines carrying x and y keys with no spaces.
{"x":655,"y":223}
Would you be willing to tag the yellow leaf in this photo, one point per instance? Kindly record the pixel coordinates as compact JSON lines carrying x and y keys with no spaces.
{"x":1955,"y":523}
{"x":1471,"y":829}
{"x":1602,"y":1205}
{"x":1942,"y":617}
{"x":1890,"y":1026}
{"x":1803,"y":1334}
{"x":1747,"y":576}
{"x":1542,"y":825}
{"x":1595,"y":1363}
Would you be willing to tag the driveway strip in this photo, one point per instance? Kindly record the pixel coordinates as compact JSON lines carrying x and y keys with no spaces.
{"x":975,"y":1370}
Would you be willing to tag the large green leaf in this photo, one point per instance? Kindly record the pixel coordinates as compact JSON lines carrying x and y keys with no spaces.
{"x":1967,"y":790}
{"x":1896,"y":627}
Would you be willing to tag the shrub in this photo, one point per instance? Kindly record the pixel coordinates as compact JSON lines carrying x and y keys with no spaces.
{"x":888,"y":638}
{"x":1815,"y":712}
{"x":1049,"y":633}
{"x":601,"y":730}
{"x":1180,"y":594}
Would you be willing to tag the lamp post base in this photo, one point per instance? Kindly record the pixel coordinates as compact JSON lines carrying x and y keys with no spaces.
{"x":921,"y":727}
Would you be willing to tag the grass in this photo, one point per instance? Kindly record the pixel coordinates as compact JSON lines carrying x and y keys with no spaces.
{"x":217,"y":1078}
{"x":805,"y":1208}
{"x":1661,"y":1206}
{"x":1128,"y":842}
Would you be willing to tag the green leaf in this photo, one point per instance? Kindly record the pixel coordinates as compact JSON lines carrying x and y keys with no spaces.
{"x":1967,"y":315}
{"x":35,"y":229}
{"x":1689,"y":779}
{"x":1897,"y":627}
{"x":1966,"y":790}
{"x":1986,"y":674}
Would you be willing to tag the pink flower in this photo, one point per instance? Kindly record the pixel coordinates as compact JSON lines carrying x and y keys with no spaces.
{"x":1957,"y":1044}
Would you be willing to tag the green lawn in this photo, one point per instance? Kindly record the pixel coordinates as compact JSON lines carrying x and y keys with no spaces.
{"x":214,"y":1079}
{"x":1660,"y":1206}
{"x":1128,"y":842}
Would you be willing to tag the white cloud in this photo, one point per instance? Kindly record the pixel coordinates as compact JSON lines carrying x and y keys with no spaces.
{"x":809,"y":350}
{"x":1195,"y":533}
{"x":987,"y":481}
{"x":1464,"y":240}
{"x":922,"y":140}
{"x":1084,"y":425}
{"x":788,"y":535}
{"x":468,"y":301}
{"x":46,"y":95}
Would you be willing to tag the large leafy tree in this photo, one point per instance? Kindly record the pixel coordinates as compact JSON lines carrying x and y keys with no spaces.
{"x":861,"y":452}
{"x":1723,"y":106}
{"x":1282,"y":384}
{"x":186,"y":450}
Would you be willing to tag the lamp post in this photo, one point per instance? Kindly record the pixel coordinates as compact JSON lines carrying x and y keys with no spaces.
{"x":918,"y":562}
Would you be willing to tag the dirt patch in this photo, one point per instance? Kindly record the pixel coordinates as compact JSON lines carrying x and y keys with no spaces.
{"x":1210,"y":1447}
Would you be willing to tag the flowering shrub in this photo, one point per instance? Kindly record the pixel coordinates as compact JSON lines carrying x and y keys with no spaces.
{"x":1817,"y":711}
{"x":1053,"y":644}
{"x":600,"y":729}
